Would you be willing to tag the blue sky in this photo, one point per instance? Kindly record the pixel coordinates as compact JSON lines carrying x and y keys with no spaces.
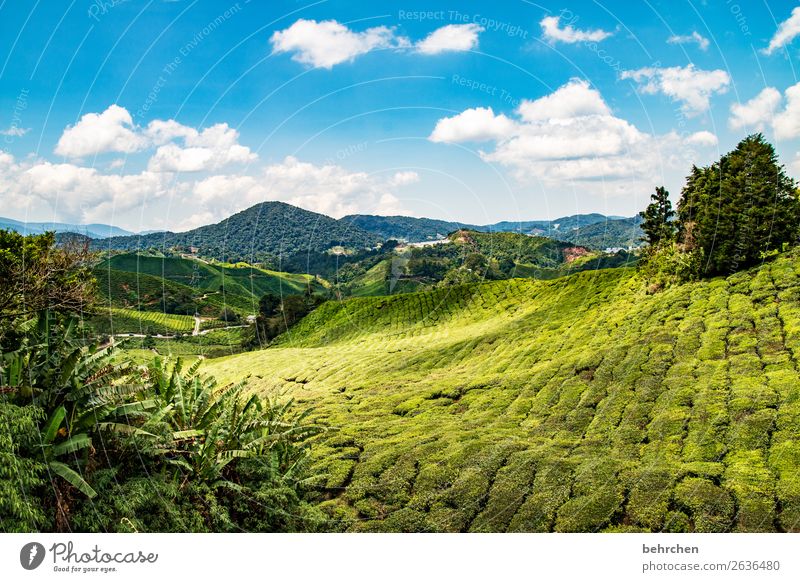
{"x":172,"y":114}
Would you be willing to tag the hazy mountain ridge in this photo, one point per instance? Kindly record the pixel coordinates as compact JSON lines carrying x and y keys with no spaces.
{"x":96,"y":231}
{"x":274,"y":231}
{"x":567,"y":228}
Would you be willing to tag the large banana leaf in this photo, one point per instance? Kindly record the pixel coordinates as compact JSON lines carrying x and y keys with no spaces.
{"x":72,"y":478}
{"x":76,"y":443}
{"x":53,"y":424}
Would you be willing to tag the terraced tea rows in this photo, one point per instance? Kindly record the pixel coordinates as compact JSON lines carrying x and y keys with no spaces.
{"x":579,"y":404}
{"x":142,"y":322}
{"x":133,"y":278}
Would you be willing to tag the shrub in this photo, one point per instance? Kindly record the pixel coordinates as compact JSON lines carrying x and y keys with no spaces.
{"x":711,"y":508}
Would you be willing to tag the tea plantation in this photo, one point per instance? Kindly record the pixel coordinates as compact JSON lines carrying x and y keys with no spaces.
{"x":132,"y":279}
{"x":579,"y":404}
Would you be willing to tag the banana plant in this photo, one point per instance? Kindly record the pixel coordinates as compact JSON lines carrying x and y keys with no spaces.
{"x":81,"y":389}
{"x":209,"y":427}
{"x":52,"y":451}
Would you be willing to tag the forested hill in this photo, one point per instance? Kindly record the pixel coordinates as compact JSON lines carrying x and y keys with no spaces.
{"x":407,"y":228}
{"x":266,"y":230}
{"x":620,"y":232}
{"x":594,"y":230}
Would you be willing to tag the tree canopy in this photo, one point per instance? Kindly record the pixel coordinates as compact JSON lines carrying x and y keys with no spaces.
{"x":730,"y":216}
{"x":739,"y":208}
{"x":657,"y":218}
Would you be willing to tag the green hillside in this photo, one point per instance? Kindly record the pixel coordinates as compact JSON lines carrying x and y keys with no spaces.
{"x":468,"y":256}
{"x":265,"y":231}
{"x":520,"y":248}
{"x":577,"y":404}
{"x":619,"y":233}
{"x":141,"y":281}
{"x":115,"y":320}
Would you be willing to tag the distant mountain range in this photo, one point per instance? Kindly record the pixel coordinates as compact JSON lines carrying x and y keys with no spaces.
{"x":96,"y":231}
{"x":273,"y":231}
{"x":592,"y":230}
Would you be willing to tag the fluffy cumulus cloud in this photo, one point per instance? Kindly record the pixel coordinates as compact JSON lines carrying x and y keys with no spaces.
{"x":787,"y":121}
{"x":328,"y":43}
{"x":575,"y":99}
{"x":787,"y":31}
{"x":453,"y":37}
{"x":689,"y":86}
{"x":328,"y":189}
{"x":81,"y":194}
{"x":97,"y":133}
{"x":568,"y":136}
{"x":795,"y":165}
{"x":211,"y":149}
{"x":77,"y":193}
{"x":702,"y":139}
{"x":404,"y":178}
{"x":757,"y":113}
{"x":478,"y":124}
{"x":180,"y":148}
{"x":694,"y":38}
{"x":553,"y":32}
{"x":770,"y":109}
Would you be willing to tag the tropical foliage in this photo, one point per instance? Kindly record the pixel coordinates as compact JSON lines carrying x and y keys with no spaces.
{"x":89,"y":441}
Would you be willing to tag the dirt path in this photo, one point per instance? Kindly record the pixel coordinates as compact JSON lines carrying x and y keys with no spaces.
{"x":196,"y":331}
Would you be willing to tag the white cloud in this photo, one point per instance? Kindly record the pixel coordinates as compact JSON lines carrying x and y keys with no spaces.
{"x":764,"y":111}
{"x":211,"y":149}
{"x":702,"y":139}
{"x":113,"y":131}
{"x":695,"y":37}
{"x":328,"y":189}
{"x":478,"y":124}
{"x":328,"y":43}
{"x":756,"y":113}
{"x":97,"y":133}
{"x":453,"y":37}
{"x":73,"y":193}
{"x":787,"y":122}
{"x":580,"y":140}
{"x":15,"y":131}
{"x":404,"y":178}
{"x":574,"y":99}
{"x":161,"y":131}
{"x":552,"y":32}
{"x":688,"y":85}
{"x":786,"y":33}
{"x":795,"y":165}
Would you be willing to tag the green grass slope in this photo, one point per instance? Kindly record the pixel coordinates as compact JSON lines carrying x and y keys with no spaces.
{"x":116,"y":320}
{"x":577,"y":404}
{"x":236,"y":286}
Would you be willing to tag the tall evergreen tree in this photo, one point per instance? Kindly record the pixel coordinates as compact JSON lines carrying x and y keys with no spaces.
{"x":658,"y":225}
{"x":739,"y":208}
